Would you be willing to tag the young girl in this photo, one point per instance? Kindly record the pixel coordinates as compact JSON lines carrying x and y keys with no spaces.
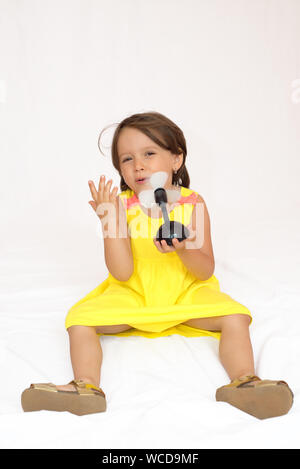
{"x":154,"y":289}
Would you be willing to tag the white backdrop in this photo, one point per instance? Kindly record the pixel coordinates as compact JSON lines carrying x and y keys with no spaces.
{"x":228,"y":73}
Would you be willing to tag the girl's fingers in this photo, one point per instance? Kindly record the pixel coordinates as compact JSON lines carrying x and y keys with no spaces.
{"x":101,"y":182}
{"x":103,"y":193}
{"x":111,"y":193}
{"x":163,"y":247}
{"x":156,"y":243}
{"x":93,"y":204}
{"x":166,"y":247}
{"x":100,"y":189}
{"x":158,"y":246}
{"x":176,"y":245}
{"x":93,"y":190}
{"x":114,"y":192}
{"x":107,"y":190}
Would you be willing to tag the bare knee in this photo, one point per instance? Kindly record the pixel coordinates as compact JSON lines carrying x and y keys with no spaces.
{"x":75,"y":330}
{"x":218,"y":323}
{"x":236,"y":321}
{"x":209,"y":324}
{"x":113,"y":329}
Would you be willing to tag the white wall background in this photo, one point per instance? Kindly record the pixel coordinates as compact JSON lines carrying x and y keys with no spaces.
{"x":228,"y":73}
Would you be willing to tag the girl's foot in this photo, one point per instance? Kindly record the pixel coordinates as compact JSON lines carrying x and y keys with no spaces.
{"x":260,"y":398}
{"x":66,"y":387}
{"x":87,"y":398}
{"x":71,"y":387}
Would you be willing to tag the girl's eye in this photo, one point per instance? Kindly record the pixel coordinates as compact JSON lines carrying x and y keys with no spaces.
{"x":148,"y":153}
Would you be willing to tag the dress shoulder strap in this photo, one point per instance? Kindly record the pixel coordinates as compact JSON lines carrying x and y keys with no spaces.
{"x":130,"y":199}
{"x":182,"y":210}
{"x":188,"y":196}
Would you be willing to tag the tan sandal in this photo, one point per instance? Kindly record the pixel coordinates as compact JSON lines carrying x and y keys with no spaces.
{"x":264,"y":400}
{"x":87,"y":399}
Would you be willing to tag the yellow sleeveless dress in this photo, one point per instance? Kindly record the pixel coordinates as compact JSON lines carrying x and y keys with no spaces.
{"x":162,"y":293}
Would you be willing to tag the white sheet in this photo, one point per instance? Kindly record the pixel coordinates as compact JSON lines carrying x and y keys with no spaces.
{"x":160,"y":392}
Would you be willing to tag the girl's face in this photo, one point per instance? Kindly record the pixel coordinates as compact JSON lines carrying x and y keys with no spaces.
{"x":140,"y":157}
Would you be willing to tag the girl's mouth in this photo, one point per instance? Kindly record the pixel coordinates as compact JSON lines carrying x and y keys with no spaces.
{"x":141,"y":181}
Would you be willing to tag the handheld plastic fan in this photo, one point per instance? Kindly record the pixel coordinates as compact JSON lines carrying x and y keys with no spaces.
{"x":169,"y":229}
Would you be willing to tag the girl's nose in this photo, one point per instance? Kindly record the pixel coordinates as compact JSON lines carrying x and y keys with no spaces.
{"x":138,"y":165}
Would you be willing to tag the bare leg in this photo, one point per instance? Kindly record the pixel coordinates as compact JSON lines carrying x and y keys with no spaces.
{"x":86,"y":355}
{"x":235,"y":349}
{"x":86,"y":352}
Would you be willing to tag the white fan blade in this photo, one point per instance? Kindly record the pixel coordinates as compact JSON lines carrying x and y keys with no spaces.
{"x":146,"y":198}
{"x":158,"y":179}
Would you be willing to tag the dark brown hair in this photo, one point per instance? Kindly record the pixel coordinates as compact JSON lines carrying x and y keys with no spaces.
{"x":163,"y":132}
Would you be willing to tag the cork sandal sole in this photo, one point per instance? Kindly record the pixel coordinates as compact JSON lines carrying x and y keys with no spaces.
{"x":47,"y":397}
{"x":267,"y":399}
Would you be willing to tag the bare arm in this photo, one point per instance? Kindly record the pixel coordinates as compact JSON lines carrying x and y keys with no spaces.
{"x":201,"y":265}
{"x":117,"y":249}
{"x":117,"y":246}
{"x":196,"y":252}
{"x":199,"y":259}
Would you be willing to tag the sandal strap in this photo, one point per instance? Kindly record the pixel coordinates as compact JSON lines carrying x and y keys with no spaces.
{"x":240,"y":382}
{"x":44,"y":387}
{"x":86,"y":388}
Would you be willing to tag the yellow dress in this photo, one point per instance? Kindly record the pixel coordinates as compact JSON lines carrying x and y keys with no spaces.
{"x":162,"y":293}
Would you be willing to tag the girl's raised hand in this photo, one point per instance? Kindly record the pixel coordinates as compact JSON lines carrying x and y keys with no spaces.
{"x":103,"y":196}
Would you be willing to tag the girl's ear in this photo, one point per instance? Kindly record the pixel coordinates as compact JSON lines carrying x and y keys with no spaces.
{"x":179,"y":157}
